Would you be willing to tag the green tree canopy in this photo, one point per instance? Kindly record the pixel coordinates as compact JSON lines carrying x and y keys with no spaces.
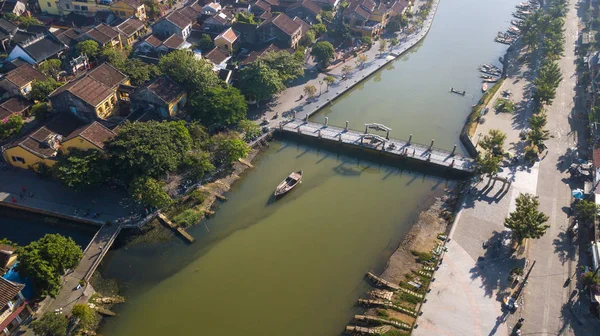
{"x":310,"y":90}
{"x":587,"y":211}
{"x":88,"y":47}
{"x":366,"y":40}
{"x":489,"y":164}
{"x":149,"y":192}
{"x":114,"y":56}
{"x":82,"y":169}
{"x":50,"y":324}
{"x":86,"y":316}
{"x":308,"y":38}
{"x":40,"y":90}
{"x":46,"y":260}
{"x":205,"y":42}
{"x":287,"y":66}
{"x":258,"y":81}
{"x":139,"y":71}
{"x":51,"y":67}
{"x":149,"y":148}
{"x":397,"y":22}
{"x":493,"y":142}
{"x":219,"y":106}
{"x":197,"y":163}
{"x":40,"y":111}
{"x":228,"y":147}
{"x":196,"y":75}
{"x":250,"y":129}
{"x":11,"y":126}
{"x":152,"y":9}
{"x":526,"y":221}
{"x":319,"y":29}
{"x":323,"y":52}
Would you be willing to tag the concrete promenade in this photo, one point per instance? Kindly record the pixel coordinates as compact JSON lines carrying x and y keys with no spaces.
{"x":287,"y":102}
{"x":400,"y":148}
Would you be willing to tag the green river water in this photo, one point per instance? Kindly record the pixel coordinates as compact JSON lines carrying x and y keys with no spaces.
{"x":296,"y":266}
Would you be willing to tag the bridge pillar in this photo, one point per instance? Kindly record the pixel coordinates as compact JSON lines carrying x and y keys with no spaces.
{"x":452,"y":164}
{"x":383,"y":147}
{"x":387,"y":136}
{"x":431,"y":146}
{"x":429,"y":157}
{"x":454,"y":149}
{"x":294,"y":115}
{"x":319,"y":133}
{"x":366,"y":129}
{"x":298,"y":129}
{"x":326,"y":121}
{"x":361,"y":140}
{"x":306,"y":117}
{"x":280,"y":126}
{"x":409,"y":139}
{"x":340,"y":137}
{"x":346,"y":126}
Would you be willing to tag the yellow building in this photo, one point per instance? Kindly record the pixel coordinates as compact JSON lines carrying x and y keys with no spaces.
{"x":58,"y":137}
{"x":129,"y":8}
{"x":162,"y":94}
{"x":226,"y":40}
{"x":123,"y":8}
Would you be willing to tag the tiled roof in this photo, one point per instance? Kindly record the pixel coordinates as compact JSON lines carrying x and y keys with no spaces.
{"x":190,"y":12}
{"x":309,"y":5}
{"x":173,"y":42}
{"x":216,"y":56}
{"x":229,"y":35}
{"x":153,"y":41}
{"x":286,"y":24}
{"x":24,"y":74}
{"x":95,"y":133}
{"x":272,"y":2}
{"x":131,"y":26}
{"x":362,"y":8}
{"x":178,"y":19}
{"x":133,"y":3}
{"x":8,"y":291}
{"x":222,"y":17}
{"x":43,"y":48}
{"x":303,"y":25}
{"x":102,"y":33}
{"x":94,"y":86}
{"x":164,"y":88}
{"x":253,"y":56}
{"x":399,"y":6}
{"x":16,"y":104}
{"x":68,"y":36}
{"x":265,"y":7}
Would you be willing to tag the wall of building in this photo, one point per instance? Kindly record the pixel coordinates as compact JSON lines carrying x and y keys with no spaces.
{"x":166,"y":28}
{"x":19,"y":52}
{"x":64,"y":102}
{"x":30,"y":159}
{"x":77,"y":142}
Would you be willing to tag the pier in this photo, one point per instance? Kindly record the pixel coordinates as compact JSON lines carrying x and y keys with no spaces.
{"x":378,"y":320}
{"x":188,"y":237}
{"x":382,"y":282}
{"x":365,"y":141}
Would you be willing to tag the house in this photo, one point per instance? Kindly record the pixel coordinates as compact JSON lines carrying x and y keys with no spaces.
{"x":219,"y":21}
{"x":132,"y":29}
{"x":327,"y":4}
{"x":191,"y":13}
{"x":95,"y":95}
{"x":173,"y":23}
{"x":254,"y":55}
{"x":211,"y":8}
{"x":399,"y":7}
{"x":7,"y":30}
{"x":90,"y":136}
{"x":38,"y":49}
{"x":381,"y":14}
{"x":227,"y":40}
{"x":240,"y":7}
{"x":260,"y":7}
{"x":8,"y":257}
{"x":218,"y":57}
{"x":148,"y":44}
{"x":174,"y":42}
{"x":282,"y":28}
{"x":13,"y":306}
{"x":104,"y":35}
{"x":358,"y":16}
{"x":19,"y":80}
{"x":15,"y":7}
{"x":161,"y":94}
{"x":303,"y":25}
{"x":128,"y":8}
{"x":307,"y":10}
{"x":15,"y":106}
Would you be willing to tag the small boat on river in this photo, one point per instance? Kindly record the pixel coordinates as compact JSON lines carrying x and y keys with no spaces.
{"x":462,"y":93}
{"x":484,"y":87}
{"x":490,"y":80}
{"x":288,"y":184}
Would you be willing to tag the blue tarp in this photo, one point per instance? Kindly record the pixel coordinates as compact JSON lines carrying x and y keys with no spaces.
{"x":13,"y":276}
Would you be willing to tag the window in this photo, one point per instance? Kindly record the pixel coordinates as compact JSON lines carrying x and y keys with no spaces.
{"x":100,"y":110}
{"x":112,"y":99}
{"x":49,"y":4}
{"x":18,"y":159}
{"x":84,"y":8}
{"x":106,"y":104}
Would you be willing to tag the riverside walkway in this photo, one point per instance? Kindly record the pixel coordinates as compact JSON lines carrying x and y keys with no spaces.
{"x":366,"y":141}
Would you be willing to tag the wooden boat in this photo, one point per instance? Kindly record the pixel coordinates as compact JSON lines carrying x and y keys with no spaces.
{"x":288,"y":184}
{"x":484,"y":87}
{"x":462,"y":93}
{"x":491,"y":80}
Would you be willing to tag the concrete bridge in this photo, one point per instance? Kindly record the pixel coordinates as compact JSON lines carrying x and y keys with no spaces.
{"x":405,"y":150}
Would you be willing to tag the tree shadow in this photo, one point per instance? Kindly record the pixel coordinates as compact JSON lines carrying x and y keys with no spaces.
{"x":563,"y":247}
{"x":493,"y":268}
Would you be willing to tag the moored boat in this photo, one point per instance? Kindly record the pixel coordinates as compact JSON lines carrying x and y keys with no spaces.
{"x":484,"y":87}
{"x":288,"y":184}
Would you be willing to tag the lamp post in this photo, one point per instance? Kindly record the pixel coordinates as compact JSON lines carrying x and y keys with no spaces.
{"x":478,"y":137}
{"x":320,"y":87}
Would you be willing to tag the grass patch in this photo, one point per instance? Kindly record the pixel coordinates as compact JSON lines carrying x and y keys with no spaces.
{"x":407,"y":298}
{"x":473,"y":118}
{"x":394,"y":332}
{"x":504,"y":105}
{"x":188,"y":218}
{"x":423,"y":257}
{"x":383,"y":313}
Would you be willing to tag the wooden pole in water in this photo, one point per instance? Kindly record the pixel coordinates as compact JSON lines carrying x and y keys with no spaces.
{"x":346,"y":126}
{"x":431,"y":146}
{"x":409,"y":139}
{"x":387,"y":136}
{"x":454,"y":150}
{"x":326,"y":121}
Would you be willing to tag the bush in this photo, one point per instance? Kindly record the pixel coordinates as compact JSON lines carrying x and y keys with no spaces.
{"x":504,"y":105}
{"x":188,"y":218}
{"x":197,"y":196}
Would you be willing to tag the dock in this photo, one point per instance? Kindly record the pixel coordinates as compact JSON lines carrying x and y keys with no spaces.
{"x":378,"y":320}
{"x":374,"y":143}
{"x":188,"y":237}
{"x":388,"y":305}
{"x":382,"y":282}
{"x":356,"y":330}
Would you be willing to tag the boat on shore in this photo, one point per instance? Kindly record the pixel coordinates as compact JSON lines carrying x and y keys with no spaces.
{"x":491,"y":80}
{"x":288,"y":184}
{"x":484,"y":87}
{"x":462,"y":93}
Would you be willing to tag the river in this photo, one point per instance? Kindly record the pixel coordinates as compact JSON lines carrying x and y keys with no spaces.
{"x":296,"y":266}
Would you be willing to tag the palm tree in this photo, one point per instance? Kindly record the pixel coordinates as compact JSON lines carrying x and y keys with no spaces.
{"x":382,"y":46}
{"x":346,"y":70}
{"x":361,"y":59}
{"x":310,"y":90}
{"x":329,"y":80}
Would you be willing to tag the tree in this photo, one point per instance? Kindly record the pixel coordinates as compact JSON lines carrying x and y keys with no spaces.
{"x":326,"y":16}
{"x":46,"y":260}
{"x":257,"y":81}
{"x":40,"y":90}
{"x":587,"y":211}
{"x":493,"y":142}
{"x":219,"y":106}
{"x":250,"y":129}
{"x":346,"y":70}
{"x":51,"y":67}
{"x":548,"y":80}
{"x":382,"y":46}
{"x":11,"y":126}
{"x":397,"y":22}
{"x":310,"y":90}
{"x":367,"y":40}
{"x":153,"y":9}
{"x":139,"y":71}
{"x":323,"y":52}
{"x":199,"y":135}
{"x":23,"y":21}
{"x":50,"y":324}
{"x":205,"y":42}
{"x":319,"y":29}
{"x":86,"y":316}
{"x":329,"y":80}
{"x":287,"y":66}
{"x":116,"y":57}
{"x":526,"y":221}
{"x":489,"y":164}
{"x":196,"y":75}
{"x":394,"y":41}
{"x":87,"y":47}
{"x":148,"y":148}
{"x":82,"y":169}
{"x":149,"y":192}
{"x":197,"y":163}
{"x":40,"y":111}
{"x":309,"y":38}
{"x":361,"y":59}
{"x":228,"y":147}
